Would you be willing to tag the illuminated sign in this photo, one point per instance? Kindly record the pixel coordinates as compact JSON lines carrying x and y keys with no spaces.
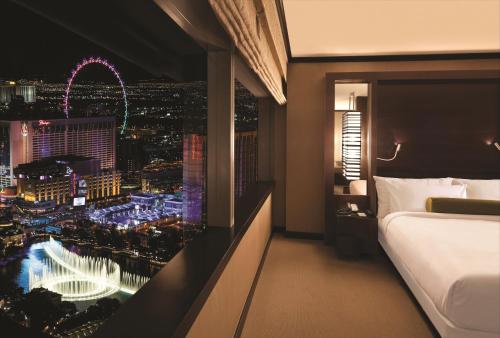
{"x":43,"y":122}
{"x":78,"y":201}
{"x":82,"y":187}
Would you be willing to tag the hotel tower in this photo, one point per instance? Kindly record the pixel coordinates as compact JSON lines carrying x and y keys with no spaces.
{"x":27,"y":141}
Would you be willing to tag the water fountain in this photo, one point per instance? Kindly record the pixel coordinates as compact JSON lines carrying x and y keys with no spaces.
{"x":80,"y":278}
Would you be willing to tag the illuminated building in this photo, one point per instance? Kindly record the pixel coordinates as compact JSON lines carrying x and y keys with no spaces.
{"x":194,"y":153}
{"x":5,"y":172}
{"x":145,"y":185}
{"x":193,"y":177}
{"x":65,"y":178}
{"x":104,"y":184}
{"x":142,"y":211}
{"x":7,"y":92}
{"x":245,"y":163}
{"x":7,"y":194}
{"x":27,"y":141}
{"x":28,"y":92}
{"x":12,"y":237}
{"x":10,"y":89}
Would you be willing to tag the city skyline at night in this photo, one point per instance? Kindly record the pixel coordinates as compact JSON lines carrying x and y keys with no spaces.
{"x":103,"y":171}
{"x":81,"y":178}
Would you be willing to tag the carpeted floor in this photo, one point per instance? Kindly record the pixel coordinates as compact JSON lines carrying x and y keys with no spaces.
{"x":304,"y":290}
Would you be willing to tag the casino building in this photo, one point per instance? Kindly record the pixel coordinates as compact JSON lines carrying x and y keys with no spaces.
{"x":28,"y":92}
{"x":10,"y":90}
{"x":27,"y":141}
{"x":66,"y":179}
{"x":7,"y":92}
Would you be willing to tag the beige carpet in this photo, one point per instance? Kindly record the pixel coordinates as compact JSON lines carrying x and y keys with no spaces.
{"x":304,"y":290}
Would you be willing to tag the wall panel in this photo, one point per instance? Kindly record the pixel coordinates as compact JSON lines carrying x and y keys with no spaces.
{"x":306,"y":120}
{"x":221,"y":312}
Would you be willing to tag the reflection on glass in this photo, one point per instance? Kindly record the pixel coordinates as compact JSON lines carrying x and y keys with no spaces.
{"x":102,"y":179}
{"x":350,"y":111}
{"x":245,"y":139}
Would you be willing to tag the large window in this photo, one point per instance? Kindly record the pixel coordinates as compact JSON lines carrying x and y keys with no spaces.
{"x":245,"y":140}
{"x":102,"y":174}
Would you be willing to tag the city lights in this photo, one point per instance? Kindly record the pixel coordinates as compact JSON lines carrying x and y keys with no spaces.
{"x":120,"y":199}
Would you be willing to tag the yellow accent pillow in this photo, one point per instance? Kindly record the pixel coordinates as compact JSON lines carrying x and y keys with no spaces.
{"x":462,"y":206}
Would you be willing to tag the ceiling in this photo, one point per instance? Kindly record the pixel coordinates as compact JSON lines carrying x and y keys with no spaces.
{"x":391,"y":27}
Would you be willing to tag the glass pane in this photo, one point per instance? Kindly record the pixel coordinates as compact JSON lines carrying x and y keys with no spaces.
{"x":245,"y":140}
{"x":102,"y":175}
{"x":350,"y":105}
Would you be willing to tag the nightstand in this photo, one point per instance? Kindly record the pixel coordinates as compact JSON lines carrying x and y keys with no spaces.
{"x":356,"y":235}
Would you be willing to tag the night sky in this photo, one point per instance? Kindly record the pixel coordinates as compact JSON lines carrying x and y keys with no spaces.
{"x":33,"y":47}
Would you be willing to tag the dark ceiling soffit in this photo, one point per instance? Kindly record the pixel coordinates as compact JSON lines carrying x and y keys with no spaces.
{"x":409,"y":57}
{"x":128,"y":39}
{"x":284,"y":28}
{"x":197,"y":19}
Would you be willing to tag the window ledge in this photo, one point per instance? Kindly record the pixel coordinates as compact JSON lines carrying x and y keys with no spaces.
{"x":170,"y":302}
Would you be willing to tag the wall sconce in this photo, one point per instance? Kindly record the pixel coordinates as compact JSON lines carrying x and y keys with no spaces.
{"x":492,"y":142}
{"x":398,"y":148}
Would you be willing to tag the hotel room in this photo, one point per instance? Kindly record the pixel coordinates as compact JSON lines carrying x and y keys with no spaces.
{"x":368,"y":204}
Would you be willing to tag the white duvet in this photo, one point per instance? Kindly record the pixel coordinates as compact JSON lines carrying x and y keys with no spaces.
{"x":455,"y":259}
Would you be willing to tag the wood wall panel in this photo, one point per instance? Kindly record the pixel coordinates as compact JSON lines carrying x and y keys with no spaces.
{"x":220,"y":315}
{"x":443,"y":125}
{"x":306,"y":123}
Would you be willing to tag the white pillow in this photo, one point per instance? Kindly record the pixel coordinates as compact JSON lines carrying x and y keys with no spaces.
{"x":481,"y":189}
{"x":382,"y":194}
{"x":407,"y":196}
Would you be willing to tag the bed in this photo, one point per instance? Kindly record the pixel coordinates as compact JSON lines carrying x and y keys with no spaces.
{"x":451,"y":263}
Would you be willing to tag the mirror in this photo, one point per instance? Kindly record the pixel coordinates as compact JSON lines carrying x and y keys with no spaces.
{"x":349,"y":138}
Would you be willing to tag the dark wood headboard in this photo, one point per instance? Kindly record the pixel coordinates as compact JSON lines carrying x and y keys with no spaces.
{"x":444,"y":127}
{"x":444,"y":120}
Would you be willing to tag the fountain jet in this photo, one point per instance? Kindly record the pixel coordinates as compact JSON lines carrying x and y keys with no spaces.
{"x":80,"y":278}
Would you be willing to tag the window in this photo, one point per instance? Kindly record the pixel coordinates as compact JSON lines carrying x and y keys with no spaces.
{"x":245,"y":140}
{"x":102,"y":167}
